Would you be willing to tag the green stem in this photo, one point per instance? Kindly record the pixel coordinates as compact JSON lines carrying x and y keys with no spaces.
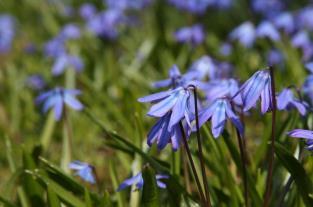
{"x":67,"y":143}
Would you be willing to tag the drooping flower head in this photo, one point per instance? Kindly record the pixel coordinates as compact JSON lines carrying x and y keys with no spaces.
{"x":274,"y":57}
{"x":203,"y":68}
{"x":219,"y":111}
{"x":70,"y":31}
{"x":56,"y":98}
{"x":285,"y":21}
{"x":65,"y":61}
{"x":176,"y":79}
{"x":83,"y":170}
{"x":87,"y":11}
{"x":304,"y":18}
{"x":244,"y":33}
{"x":35,"y":82}
{"x":259,"y":85}
{"x":267,"y":8}
{"x":287,"y":101}
{"x":302,"y":40}
{"x":267,"y":29}
{"x":193,"y":35}
{"x":138,"y":181}
{"x":303,"y":133}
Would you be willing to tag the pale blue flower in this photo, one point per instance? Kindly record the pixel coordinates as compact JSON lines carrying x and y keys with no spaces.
{"x":267,"y":29}
{"x":303,"y":133}
{"x":193,"y":35}
{"x":67,"y":61}
{"x":244,"y":33}
{"x":83,"y":170}
{"x":287,"y":101}
{"x":7,"y":32}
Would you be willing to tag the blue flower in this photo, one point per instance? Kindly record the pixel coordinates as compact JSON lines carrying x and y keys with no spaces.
{"x":223,"y":88}
{"x":56,"y":99}
{"x":304,"y":18}
{"x":105,"y":24}
{"x":126,"y":4}
{"x":267,"y":29}
{"x":175,"y":79}
{"x":193,"y":35}
{"x":179,"y":101}
{"x":162,"y":135}
{"x":307,"y":87}
{"x":285,"y":21}
{"x":55,"y":47}
{"x":70,"y":31}
{"x":267,"y":8}
{"x":225,"y":49}
{"x":274,"y":57}
{"x":138,"y":181}
{"x":286,"y":101}
{"x":7,"y":30}
{"x":259,"y":85}
{"x":197,"y":7}
{"x":244,"y":33}
{"x":303,"y":133}
{"x":302,"y":40}
{"x":83,"y":170}
{"x":87,"y":11}
{"x":309,"y":66}
{"x":203,"y":68}
{"x":36,"y":82}
{"x":67,"y":61}
{"x":219,"y":111}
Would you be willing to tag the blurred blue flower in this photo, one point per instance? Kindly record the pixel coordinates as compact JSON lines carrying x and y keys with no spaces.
{"x":202,"y":68}
{"x":285,"y":21}
{"x":244,"y":33}
{"x":36,"y":82}
{"x":67,"y":61}
{"x":304,"y":18}
{"x":55,"y":47}
{"x":105,"y":24}
{"x":70,"y":31}
{"x":126,"y":4}
{"x":193,"y":35}
{"x":83,"y":170}
{"x":225,"y":49}
{"x":56,"y":98}
{"x":7,"y":31}
{"x":267,"y":29}
{"x":175,"y":79}
{"x":303,"y":133}
{"x":287,"y":101}
{"x":222,"y":88}
{"x":268,"y":8}
{"x":274,"y":57}
{"x":302,"y":40}
{"x":219,"y":111}
{"x":197,"y":7}
{"x":179,"y":101}
{"x":307,"y":87}
{"x":87,"y":11}
{"x":138,"y":181}
{"x":259,"y":85}
{"x":309,"y":66}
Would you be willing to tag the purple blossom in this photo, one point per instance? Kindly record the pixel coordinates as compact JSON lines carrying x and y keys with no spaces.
{"x":87,"y":11}
{"x":56,"y":98}
{"x":106,"y":23}
{"x":70,"y":31}
{"x":139,"y":182}
{"x":302,"y":40}
{"x":223,"y":88}
{"x":267,"y":29}
{"x":54,"y":47}
{"x":83,"y":170}
{"x":285,"y":21}
{"x":274,"y":57}
{"x":67,"y":61}
{"x":203,"y":68}
{"x":161,"y":135}
{"x":197,"y":7}
{"x":303,"y":133}
{"x":126,"y":4}
{"x":36,"y":82}
{"x":287,"y":101}
{"x":219,"y":111}
{"x":175,"y":79}
{"x":225,"y":49}
{"x":309,"y":66}
{"x":267,"y":8}
{"x":259,"y":85}
{"x":179,"y":101}
{"x":244,"y":33}
{"x":304,"y":18}
{"x":7,"y":30}
{"x":193,"y":35}
{"x":307,"y":87}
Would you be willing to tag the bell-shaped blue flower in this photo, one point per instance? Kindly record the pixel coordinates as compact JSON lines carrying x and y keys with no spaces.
{"x":83,"y":170}
{"x":87,"y":11}
{"x":219,"y":111}
{"x":67,"y":61}
{"x":7,"y":31}
{"x":56,"y":99}
{"x":285,"y":21}
{"x":176,"y":79}
{"x":267,"y":29}
{"x":138,"y":181}
{"x":303,"y":133}
{"x":286,"y":101}
{"x":259,"y":85}
{"x":179,"y":101}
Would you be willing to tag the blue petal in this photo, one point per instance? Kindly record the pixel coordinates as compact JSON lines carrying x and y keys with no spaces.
{"x":164,"y":106}
{"x":156,"y":96}
{"x":130,"y":181}
{"x":178,"y":111}
{"x":301,"y":133}
{"x":218,"y":119}
{"x":266,"y":98}
{"x":59,"y":65}
{"x":156,"y":130}
{"x":72,"y":102}
{"x":58,"y":108}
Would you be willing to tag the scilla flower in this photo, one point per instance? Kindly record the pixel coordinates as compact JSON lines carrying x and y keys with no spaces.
{"x":193,"y":35}
{"x":138,"y":181}
{"x":244,"y":33}
{"x":67,"y":61}
{"x":267,"y":29}
{"x":175,"y":79}
{"x":83,"y":170}
{"x":259,"y":85}
{"x":303,"y":133}
{"x":56,"y":99}
{"x":219,"y":111}
{"x":286,"y":101}
{"x":179,"y":101}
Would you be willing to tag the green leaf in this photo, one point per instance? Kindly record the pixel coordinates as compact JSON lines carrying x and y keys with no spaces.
{"x":53,"y":199}
{"x":87,"y":198}
{"x":294,"y":167}
{"x":150,"y":193}
{"x":65,"y":195}
{"x":6,"y":203}
{"x":105,"y":200}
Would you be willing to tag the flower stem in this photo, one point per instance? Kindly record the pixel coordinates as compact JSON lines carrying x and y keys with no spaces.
{"x":268,"y":190}
{"x":192,"y":165}
{"x":67,"y":143}
{"x":200,"y":153}
{"x":244,"y":166}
